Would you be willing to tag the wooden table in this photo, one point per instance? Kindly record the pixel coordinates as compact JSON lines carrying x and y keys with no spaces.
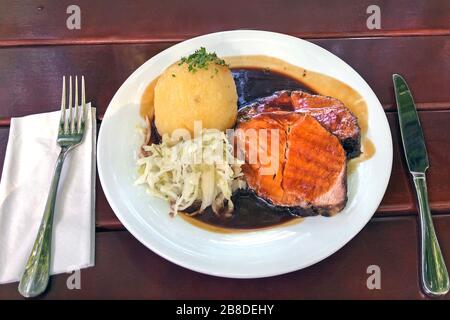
{"x":36,"y":49}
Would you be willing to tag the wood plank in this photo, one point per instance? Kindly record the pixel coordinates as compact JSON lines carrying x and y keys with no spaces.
{"x":25,"y":23}
{"x":398,"y":198}
{"x":126,"y":269}
{"x":437,"y":137}
{"x":31,"y":76}
{"x":424,"y":62}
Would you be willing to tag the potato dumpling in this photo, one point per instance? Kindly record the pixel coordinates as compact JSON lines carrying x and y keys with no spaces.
{"x":183,"y":96}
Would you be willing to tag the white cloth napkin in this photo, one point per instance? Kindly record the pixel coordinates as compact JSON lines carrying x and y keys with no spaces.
{"x":27,"y":172}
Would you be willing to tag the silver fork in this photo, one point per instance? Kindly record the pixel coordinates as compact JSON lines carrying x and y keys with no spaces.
{"x":70,"y":134}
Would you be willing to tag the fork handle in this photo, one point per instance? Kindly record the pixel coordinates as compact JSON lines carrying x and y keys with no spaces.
{"x":37,"y":270}
{"x":434,"y":275}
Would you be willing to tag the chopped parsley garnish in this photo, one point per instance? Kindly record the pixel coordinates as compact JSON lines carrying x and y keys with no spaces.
{"x":200,"y":59}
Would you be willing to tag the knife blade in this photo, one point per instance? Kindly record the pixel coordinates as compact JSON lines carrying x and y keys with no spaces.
{"x":434,"y":275}
{"x":410,"y":128}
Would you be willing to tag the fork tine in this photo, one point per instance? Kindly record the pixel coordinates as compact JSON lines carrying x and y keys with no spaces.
{"x":63,"y":106}
{"x":83,"y":106}
{"x":75,"y":122}
{"x":68,"y":121}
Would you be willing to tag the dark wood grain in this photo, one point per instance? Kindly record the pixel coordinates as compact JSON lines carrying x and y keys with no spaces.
{"x":423,"y":61}
{"x":126,"y":269}
{"x":30,"y":77}
{"x":437,"y":137}
{"x":44,"y":22}
{"x":398,"y":198}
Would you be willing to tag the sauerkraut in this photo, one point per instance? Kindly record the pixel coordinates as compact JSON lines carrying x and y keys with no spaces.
{"x":192,"y":174}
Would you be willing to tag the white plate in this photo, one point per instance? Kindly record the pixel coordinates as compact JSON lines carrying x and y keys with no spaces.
{"x":238,"y":255}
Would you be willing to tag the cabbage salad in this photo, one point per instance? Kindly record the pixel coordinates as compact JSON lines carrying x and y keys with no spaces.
{"x":192,"y":174}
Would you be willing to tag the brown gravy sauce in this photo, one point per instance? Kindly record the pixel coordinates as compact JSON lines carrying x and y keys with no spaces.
{"x":220,"y":229}
{"x":250,"y":214}
{"x":259,"y":76}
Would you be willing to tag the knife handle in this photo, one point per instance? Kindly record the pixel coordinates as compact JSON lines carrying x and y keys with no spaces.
{"x":435,"y":280}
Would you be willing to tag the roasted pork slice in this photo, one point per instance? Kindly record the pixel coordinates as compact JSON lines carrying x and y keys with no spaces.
{"x":297,"y":165}
{"x":330,"y":112}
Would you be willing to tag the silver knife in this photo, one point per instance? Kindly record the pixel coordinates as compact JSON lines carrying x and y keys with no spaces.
{"x":435,"y":280}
